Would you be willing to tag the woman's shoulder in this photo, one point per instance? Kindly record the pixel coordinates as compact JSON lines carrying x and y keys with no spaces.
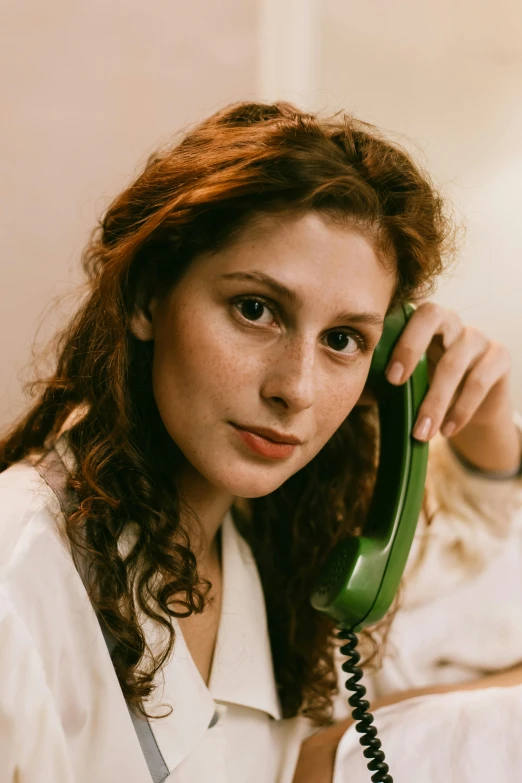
{"x":29,"y":513}
{"x":38,"y":577}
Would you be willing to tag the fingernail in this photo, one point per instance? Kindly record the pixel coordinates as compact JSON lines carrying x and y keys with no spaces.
{"x":422,"y":429}
{"x":395,"y":372}
{"x":448,"y":428}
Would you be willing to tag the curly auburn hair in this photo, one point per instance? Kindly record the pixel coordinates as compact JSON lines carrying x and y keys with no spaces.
{"x":245,"y":160}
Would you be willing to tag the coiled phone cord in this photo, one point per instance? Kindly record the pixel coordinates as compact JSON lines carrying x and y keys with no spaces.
{"x":360,"y":710}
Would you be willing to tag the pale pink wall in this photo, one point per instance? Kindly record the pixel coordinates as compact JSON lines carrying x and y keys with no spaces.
{"x":88,"y":89}
{"x":446,"y":74}
{"x":446,"y":77}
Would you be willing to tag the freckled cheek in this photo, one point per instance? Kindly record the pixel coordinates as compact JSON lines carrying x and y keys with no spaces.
{"x":335,"y":407}
{"x":198,"y":365}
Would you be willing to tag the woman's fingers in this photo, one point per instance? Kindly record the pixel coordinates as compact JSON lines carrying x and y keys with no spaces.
{"x":464,"y":367}
{"x":492,"y":366}
{"x":452,"y":368}
{"x":469,"y":395}
{"x":428,"y":320}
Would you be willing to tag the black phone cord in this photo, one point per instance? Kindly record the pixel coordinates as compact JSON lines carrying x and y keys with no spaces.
{"x":360,"y":710}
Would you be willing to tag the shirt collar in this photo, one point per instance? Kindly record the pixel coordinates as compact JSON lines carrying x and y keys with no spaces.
{"x":242,"y":669}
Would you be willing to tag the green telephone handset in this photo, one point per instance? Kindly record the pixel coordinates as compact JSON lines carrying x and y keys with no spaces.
{"x":362,"y":574}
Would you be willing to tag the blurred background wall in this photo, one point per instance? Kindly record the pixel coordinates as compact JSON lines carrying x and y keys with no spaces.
{"x":445,"y":76}
{"x":90,"y":88}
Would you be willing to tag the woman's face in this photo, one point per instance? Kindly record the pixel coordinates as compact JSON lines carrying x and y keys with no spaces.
{"x":232,"y":349}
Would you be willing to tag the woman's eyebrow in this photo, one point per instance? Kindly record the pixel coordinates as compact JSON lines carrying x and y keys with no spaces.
{"x":280,"y":288}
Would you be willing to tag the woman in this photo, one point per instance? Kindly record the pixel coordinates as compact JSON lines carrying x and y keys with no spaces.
{"x":185,"y":543}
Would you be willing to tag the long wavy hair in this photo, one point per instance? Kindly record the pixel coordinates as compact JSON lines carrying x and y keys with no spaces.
{"x":193,"y":197}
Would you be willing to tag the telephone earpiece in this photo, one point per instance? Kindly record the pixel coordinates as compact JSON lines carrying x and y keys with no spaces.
{"x":362,"y":574}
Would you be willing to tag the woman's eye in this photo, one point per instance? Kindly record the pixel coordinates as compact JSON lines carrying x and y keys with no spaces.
{"x":345,"y":340}
{"x":252,"y":309}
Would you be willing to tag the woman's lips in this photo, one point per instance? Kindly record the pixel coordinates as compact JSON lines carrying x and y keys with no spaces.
{"x":263,"y":446}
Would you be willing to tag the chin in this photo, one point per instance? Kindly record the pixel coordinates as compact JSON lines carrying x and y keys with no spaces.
{"x":255,"y":488}
{"x":240,"y":477}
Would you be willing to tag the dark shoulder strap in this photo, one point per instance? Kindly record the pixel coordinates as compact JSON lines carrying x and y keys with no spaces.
{"x":54,"y":472}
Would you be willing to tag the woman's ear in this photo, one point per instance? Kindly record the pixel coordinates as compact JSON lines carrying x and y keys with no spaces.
{"x":142,"y":320}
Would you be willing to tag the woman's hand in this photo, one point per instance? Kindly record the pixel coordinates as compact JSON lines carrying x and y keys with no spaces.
{"x":469,"y":397}
{"x":315,"y":764}
{"x":317,"y":756}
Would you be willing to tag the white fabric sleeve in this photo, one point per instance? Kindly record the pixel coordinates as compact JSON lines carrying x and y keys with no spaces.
{"x":464,"y":525}
{"x":465,"y":736}
{"x":32,"y":744}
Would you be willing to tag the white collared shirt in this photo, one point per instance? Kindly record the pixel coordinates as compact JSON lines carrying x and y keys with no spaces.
{"x":63,"y":718}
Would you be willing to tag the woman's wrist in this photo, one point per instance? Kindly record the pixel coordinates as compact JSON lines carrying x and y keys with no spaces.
{"x":491,"y":448}
{"x":505,"y":678}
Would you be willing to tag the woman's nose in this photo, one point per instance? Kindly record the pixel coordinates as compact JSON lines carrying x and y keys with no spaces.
{"x":291,"y":375}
